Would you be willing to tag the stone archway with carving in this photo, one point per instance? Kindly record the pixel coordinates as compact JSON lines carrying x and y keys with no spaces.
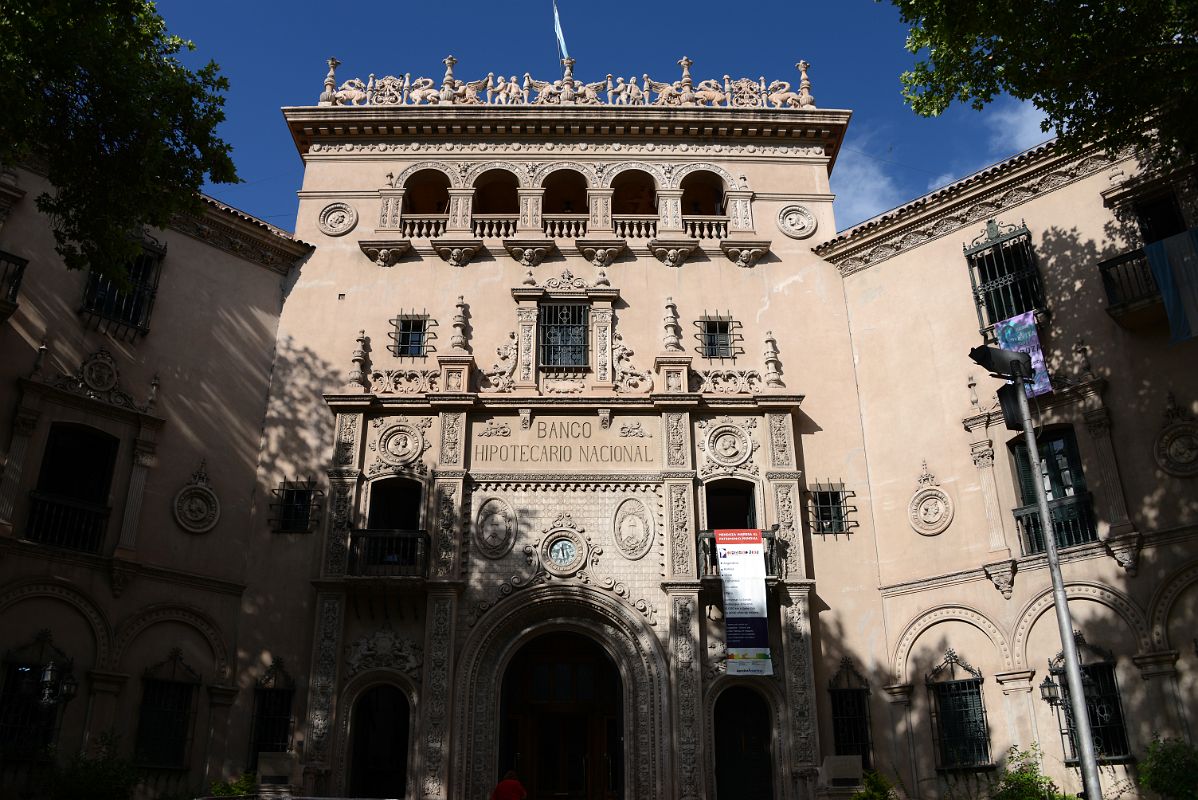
{"x":67,"y":593}
{"x":402,"y":178}
{"x":686,"y":169}
{"x":617,"y":628}
{"x":653,"y":170}
{"x":545,"y":170}
{"x":476,"y":170}
{"x":1162,"y":603}
{"x":771,"y":692}
{"x":348,"y":698}
{"x":170,"y":612}
{"x":1080,"y":590}
{"x":948,"y":613}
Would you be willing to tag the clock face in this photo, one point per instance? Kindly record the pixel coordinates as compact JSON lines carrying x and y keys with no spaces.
{"x":562,"y":552}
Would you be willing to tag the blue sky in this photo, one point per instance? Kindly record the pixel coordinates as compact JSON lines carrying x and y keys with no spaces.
{"x":273,"y":54}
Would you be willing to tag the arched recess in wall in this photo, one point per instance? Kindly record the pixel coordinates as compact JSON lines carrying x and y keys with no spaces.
{"x":401,"y":180}
{"x":1124,"y":608}
{"x":426,"y":191}
{"x":615,"y":626}
{"x":1163,"y":601}
{"x":64,"y":592}
{"x":130,"y":630}
{"x":478,"y":170}
{"x":939,"y":615}
{"x":496,"y":191}
{"x":565,"y":190}
{"x":544,"y":173}
{"x":771,"y":696}
{"x":355,"y":690}
{"x":703,"y":193}
{"x":680,"y":174}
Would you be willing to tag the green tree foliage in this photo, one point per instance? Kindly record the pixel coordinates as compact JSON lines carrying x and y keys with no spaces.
{"x":1170,"y":769}
{"x":874,"y":786}
{"x":99,"y":775}
{"x":95,"y":96}
{"x":245,"y":785}
{"x":1022,"y":779}
{"x":1098,"y":70}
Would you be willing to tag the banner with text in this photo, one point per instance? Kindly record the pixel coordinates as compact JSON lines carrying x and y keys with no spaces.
{"x":742,"y":569}
{"x":1019,"y":334}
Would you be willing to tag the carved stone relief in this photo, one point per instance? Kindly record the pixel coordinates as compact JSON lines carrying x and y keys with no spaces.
{"x":796,"y":221}
{"x":495,"y":528}
{"x":564,"y":550}
{"x":680,"y":531}
{"x":1176,"y":446}
{"x":931,"y":509}
{"x":727,"y":447}
{"x":383,"y":649}
{"x":400,"y":445}
{"x":675,"y":440}
{"x":196,"y":506}
{"x":632,"y":529}
{"x":324,"y":675}
{"x":446,"y":543}
{"x":337,"y":219}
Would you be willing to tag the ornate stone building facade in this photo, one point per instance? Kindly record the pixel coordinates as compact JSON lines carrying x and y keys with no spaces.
{"x":432,"y":497}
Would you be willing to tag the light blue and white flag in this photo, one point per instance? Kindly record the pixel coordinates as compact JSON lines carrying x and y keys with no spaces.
{"x":557,"y":28}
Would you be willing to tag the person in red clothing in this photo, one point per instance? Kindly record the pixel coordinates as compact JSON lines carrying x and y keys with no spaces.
{"x":509,"y":788}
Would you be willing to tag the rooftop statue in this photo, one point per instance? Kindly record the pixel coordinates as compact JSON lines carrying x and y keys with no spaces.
{"x":567,"y":90}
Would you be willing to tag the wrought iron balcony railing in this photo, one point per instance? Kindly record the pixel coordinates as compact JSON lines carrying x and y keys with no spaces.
{"x":709,"y":564}
{"x":1072,"y":523}
{"x":65,"y":522}
{"x":388,"y":553}
{"x":1128,"y":279}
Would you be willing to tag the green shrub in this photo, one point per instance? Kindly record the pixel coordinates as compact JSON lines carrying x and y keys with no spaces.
{"x":246,"y":784}
{"x":1170,"y":769}
{"x":1021,"y":778}
{"x":874,"y":786}
{"x":99,"y":775}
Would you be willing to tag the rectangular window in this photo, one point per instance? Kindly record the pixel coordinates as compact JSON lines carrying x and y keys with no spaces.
{"x":959,"y":724}
{"x":272,"y":722}
{"x":716,"y":338}
{"x":1159,"y":217}
{"x":27,"y":728}
{"x":1060,"y":472}
{"x":850,"y":723}
{"x":563,"y":334}
{"x":1105,"y":710}
{"x":1002,"y":269}
{"x":297,"y":507}
{"x":830,"y":509}
{"x":164,"y":722}
{"x":410,"y":336}
{"x":124,"y":309}
{"x":12,"y":268}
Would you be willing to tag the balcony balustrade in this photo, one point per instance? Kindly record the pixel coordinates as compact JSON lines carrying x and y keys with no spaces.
{"x":1072,"y":523}
{"x":424,"y":226}
{"x":65,"y":522}
{"x":564,"y":226}
{"x":495,"y":226}
{"x":709,"y":563}
{"x":388,"y":553}
{"x":1133,"y":297}
{"x":634,"y":226}
{"x":705,"y":227}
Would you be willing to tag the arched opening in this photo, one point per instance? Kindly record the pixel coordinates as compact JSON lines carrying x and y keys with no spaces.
{"x":496,"y":192}
{"x":633,"y":192}
{"x":395,"y":505}
{"x":379,"y":744}
{"x":565,"y":193}
{"x":562,"y":721}
{"x":731,"y":505}
{"x":69,"y":508}
{"x":394,"y":544}
{"x":426,"y":192}
{"x":744,"y":767}
{"x":702,"y":194}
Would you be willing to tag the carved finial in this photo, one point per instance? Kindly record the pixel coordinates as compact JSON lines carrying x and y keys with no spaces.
{"x":805,"y":98}
{"x":200,"y":476}
{"x":152,"y":398}
{"x":568,"y":69}
{"x":926,"y":478}
{"x":1174,"y":412}
{"x":357,"y":376}
{"x":41,"y":358}
{"x":448,"y":61}
{"x":328,"y":96}
{"x":602,"y":279}
{"x":973,"y":391}
{"x":458,"y":340}
{"x":686,"y":65}
{"x":671,"y":342}
{"x":529,"y":280}
{"x":1082,"y":351}
{"x":773,"y":366}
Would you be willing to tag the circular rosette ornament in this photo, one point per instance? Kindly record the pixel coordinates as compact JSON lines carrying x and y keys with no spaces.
{"x":796,"y":221}
{"x":1176,"y":449}
{"x":337,"y":219}
{"x":400,"y":445}
{"x":930,"y":511}
{"x":729,"y":445}
{"x":196,"y":506}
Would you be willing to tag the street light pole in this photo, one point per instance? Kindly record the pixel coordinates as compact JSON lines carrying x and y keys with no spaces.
{"x":1073,"y":673}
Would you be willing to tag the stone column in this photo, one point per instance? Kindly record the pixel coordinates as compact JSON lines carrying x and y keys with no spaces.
{"x":679,"y":488}
{"x":143,"y":459}
{"x":1098,"y":423}
{"x":982,"y":451}
{"x":799,"y":680}
{"x":216,"y":749}
{"x":526,"y":345}
{"x":599,"y":201}
{"x":446,"y":543}
{"x":601,"y":333}
{"x":391,"y":209}
{"x":530,"y":212}
{"x":435,"y":707}
{"x":14,"y":465}
{"x":322,"y":685}
{"x":1159,"y":670}
{"x":686,"y":665}
{"x":460,"y":202}
{"x":1017,"y":703}
{"x":899,"y":695}
{"x":739,"y":208}
{"x":105,"y":690}
{"x":669,"y":211}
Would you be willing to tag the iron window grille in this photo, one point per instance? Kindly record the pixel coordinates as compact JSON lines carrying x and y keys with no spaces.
{"x":123,"y":310}
{"x":411,"y":336}
{"x":297,"y":507}
{"x":167,"y":713}
{"x":719,"y":337}
{"x":12,"y":269}
{"x":830,"y":509}
{"x":1004,"y":275}
{"x":1104,"y":706}
{"x":31,"y":710}
{"x":849,"y":692}
{"x":563,"y":337}
{"x":272,"y":722}
{"x":1064,"y":484}
{"x":959,"y":728}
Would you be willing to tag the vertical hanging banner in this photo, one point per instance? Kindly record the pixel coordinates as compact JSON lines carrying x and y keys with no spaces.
{"x":1019,"y":334}
{"x":742,"y":571}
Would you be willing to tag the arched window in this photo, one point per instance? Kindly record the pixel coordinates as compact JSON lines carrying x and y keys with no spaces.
{"x":395,"y":504}
{"x":1061,"y":474}
{"x":1104,"y":706}
{"x":36,"y":683}
{"x":393,"y":543}
{"x":69,"y":508}
{"x":634,"y":205}
{"x":426,"y":192}
{"x":702,"y":194}
{"x":166,"y":716}
{"x":849,"y":693}
{"x":379,"y":761}
{"x":744,"y":767}
{"x":959,"y":726}
{"x":496,"y":204}
{"x":273,"y":696}
{"x":565,"y":193}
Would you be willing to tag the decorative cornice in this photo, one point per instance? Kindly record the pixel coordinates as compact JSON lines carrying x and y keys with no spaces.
{"x":236,"y":232}
{"x":966,"y":202}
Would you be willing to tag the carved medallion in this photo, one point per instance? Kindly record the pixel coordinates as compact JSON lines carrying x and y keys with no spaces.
{"x":196,"y":506}
{"x":1176,"y":447}
{"x":796,"y":221}
{"x":495,"y":528}
{"x":99,"y":372}
{"x":563,"y":551}
{"x":728,"y":445}
{"x":400,"y":445}
{"x":383,"y":649}
{"x":337,"y":219}
{"x":632,"y":528}
{"x":930,"y":510}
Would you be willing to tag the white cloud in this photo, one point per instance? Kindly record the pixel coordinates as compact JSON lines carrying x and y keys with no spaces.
{"x":862,"y":186}
{"x":940,"y":181}
{"x":1014,"y":127}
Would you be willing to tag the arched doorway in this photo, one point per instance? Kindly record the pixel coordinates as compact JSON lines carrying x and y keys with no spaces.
{"x":744,"y":767}
{"x":562,"y":721}
{"x":379,"y":744}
